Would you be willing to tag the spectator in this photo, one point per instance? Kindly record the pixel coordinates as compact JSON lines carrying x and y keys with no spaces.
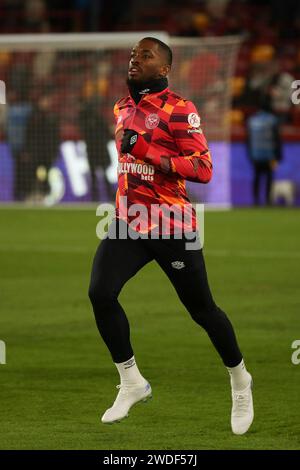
{"x":41,"y":145}
{"x":35,"y":16}
{"x":264,"y":147}
{"x":260,"y":76}
{"x":280,"y":92}
{"x":96,"y":134}
{"x":17,"y":113}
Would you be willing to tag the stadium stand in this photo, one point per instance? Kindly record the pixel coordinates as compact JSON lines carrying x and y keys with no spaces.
{"x":268,"y":60}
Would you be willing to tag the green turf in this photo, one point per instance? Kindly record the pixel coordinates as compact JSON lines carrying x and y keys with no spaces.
{"x":59,"y":378}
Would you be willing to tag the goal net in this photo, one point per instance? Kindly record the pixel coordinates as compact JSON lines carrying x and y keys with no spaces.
{"x":57,"y":125}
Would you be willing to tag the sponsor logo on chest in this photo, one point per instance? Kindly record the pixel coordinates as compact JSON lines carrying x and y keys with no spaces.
{"x":145,"y":171}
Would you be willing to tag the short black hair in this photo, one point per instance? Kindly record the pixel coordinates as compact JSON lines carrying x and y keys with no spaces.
{"x":164,"y":47}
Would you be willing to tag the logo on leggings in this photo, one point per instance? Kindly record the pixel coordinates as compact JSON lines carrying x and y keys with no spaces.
{"x":129,"y":364}
{"x":178,"y":264}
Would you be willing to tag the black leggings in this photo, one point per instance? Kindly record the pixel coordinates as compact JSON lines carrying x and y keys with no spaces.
{"x":117,"y":260}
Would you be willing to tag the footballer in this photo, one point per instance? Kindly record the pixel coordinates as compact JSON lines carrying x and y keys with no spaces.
{"x":160,"y":145}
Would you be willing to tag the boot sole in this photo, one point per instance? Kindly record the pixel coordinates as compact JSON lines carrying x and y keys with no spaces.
{"x":143,"y":400}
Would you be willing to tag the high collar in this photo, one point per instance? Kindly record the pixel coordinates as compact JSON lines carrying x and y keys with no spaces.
{"x":137,"y":91}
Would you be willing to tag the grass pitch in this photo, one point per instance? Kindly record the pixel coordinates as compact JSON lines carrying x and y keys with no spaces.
{"x":59,"y":377}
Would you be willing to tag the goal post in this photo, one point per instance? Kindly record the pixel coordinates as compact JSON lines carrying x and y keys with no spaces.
{"x":56,"y":128}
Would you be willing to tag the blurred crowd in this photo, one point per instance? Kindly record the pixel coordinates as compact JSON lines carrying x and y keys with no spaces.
{"x":56,"y":95}
{"x":53,"y":97}
{"x":268,"y":62}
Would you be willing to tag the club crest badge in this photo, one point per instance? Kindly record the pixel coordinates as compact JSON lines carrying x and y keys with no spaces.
{"x":152,"y":121}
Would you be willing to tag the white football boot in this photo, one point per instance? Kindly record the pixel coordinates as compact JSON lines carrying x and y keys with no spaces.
{"x":128,"y":396}
{"x":242,"y":412}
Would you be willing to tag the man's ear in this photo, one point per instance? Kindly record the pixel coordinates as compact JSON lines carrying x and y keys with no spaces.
{"x":165,"y":70}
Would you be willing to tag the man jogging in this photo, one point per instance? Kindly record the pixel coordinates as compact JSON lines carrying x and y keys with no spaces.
{"x":160,"y":145}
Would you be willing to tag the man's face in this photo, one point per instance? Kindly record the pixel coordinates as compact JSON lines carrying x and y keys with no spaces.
{"x":147,"y":62}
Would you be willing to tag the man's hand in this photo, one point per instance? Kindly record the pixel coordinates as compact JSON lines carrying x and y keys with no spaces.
{"x":134,"y":143}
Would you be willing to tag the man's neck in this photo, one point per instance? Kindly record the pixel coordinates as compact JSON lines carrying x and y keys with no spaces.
{"x":139,"y":89}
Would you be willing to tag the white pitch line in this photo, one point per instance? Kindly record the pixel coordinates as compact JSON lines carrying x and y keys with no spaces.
{"x":215,"y":253}
{"x":253,"y":254}
{"x":44,"y":249}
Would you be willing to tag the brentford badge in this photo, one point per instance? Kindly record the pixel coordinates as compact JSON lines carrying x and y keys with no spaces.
{"x":194,"y":120}
{"x":152,"y":121}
